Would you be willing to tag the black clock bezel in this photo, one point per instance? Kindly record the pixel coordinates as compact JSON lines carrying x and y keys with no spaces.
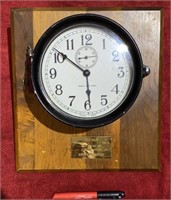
{"x":57,"y":28}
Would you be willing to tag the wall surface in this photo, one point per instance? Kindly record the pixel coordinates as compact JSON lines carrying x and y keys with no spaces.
{"x":41,"y":185}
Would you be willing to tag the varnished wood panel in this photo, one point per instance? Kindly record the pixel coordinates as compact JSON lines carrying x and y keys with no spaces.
{"x":23,"y":118}
{"x":43,"y":143}
{"x":141,"y":125}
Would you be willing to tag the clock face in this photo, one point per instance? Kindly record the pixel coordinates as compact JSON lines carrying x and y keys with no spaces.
{"x":86,"y":72}
{"x":105,"y":57}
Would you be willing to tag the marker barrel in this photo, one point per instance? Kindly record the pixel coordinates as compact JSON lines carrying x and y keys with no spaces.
{"x":90,"y":195}
{"x":76,"y":195}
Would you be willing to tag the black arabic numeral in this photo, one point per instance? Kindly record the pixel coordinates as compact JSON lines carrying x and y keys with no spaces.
{"x":58,"y":58}
{"x":115,"y":55}
{"x":104,"y":44}
{"x":58,"y":90}
{"x":87,"y":105}
{"x":72,"y":99}
{"x":85,"y":39}
{"x":115,"y":89}
{"x":104,"y":100}
{"x":121,"y":72}
{"x":53,"y":73}
{"x":70,"y":44}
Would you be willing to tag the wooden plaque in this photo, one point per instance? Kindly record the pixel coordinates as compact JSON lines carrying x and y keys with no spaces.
{"x":44,"y":143}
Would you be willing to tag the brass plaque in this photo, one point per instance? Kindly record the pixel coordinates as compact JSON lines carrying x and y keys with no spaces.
{"x":91,"y":147}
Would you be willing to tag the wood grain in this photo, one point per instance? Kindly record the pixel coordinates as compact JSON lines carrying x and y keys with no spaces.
{"x":44,"y":143}
{"x":24,"y":120}
{"x":141,"y":125}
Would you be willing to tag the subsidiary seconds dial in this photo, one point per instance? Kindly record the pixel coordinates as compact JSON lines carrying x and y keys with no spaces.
{"x":86,"y":57}
{"x":86,"y":71}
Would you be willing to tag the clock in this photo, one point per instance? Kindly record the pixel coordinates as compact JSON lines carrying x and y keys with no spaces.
{"x":87,"y":70}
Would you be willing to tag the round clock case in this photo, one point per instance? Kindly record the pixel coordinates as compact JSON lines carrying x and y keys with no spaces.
{"x":87,"y":70}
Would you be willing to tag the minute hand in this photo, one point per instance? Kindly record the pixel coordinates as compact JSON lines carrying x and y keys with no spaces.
{"x":69,"y":60}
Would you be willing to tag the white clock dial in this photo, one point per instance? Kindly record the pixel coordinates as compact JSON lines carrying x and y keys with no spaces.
{"x":86,"y":71}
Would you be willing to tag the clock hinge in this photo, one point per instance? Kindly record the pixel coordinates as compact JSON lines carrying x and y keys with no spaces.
{"x":27,"y":83}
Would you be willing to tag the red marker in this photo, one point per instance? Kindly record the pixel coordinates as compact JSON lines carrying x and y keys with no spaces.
{"x":90,"y":195}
